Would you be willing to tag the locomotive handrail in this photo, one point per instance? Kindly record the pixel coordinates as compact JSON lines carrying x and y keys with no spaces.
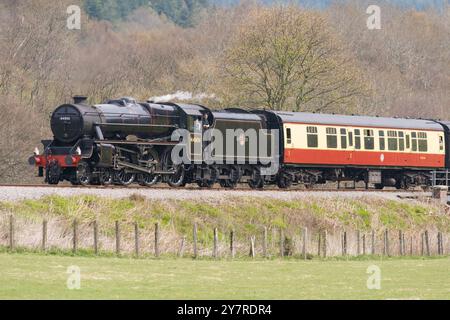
{"x":120,"y":114}
{"x":140,"y":125}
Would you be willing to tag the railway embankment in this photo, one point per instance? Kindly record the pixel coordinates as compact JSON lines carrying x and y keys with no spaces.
{"x":224,"y":225}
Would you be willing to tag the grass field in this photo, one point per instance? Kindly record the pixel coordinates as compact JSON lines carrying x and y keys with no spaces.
{"x":34,"y":276}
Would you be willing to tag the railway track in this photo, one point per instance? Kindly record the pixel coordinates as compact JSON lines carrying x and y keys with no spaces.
{"x":166,"y":187}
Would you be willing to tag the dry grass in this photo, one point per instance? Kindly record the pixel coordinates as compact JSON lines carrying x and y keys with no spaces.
{"x":246,"y":216}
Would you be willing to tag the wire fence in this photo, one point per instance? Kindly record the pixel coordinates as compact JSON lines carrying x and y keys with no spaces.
{"x":131,"y":239}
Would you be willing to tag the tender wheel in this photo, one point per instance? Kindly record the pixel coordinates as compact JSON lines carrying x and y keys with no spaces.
{"x":235,"y":175}
{"x":209,"y":182}
{"x":256,"y":181}
{"x":125,"y":178}
{"x":84,"y":174}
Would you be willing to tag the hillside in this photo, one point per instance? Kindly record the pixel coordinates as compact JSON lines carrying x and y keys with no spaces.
{"x":182,"y":12}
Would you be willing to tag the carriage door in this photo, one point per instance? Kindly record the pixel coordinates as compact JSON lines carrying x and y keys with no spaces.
{"x":288,"y":143}
{"x":350,"y":145}
{"x":345,"y":146}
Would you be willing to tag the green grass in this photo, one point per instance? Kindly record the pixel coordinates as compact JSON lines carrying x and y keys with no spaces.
{"x":35,"y":276}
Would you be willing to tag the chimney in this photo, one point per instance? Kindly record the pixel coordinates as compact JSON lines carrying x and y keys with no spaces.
{"x":79,"y":99}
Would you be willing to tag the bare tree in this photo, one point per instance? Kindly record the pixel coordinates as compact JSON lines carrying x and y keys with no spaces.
{"x":286,"y":58}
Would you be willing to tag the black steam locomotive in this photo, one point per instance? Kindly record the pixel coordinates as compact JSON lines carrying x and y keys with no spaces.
{"x":123,"y":141}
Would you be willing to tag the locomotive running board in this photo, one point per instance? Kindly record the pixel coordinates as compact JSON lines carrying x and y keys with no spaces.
{"x":136,"y":167}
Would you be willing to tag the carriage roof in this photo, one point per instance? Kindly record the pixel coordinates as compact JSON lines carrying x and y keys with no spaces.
{"x":358,"y":121}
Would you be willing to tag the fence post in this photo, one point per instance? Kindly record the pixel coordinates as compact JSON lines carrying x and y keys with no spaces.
{"x":404,"y":244}
{"x":319,"y":243}
{"x":265,"y":242}
{"x":411,"y":246}
{"x":325,"y":236}
{"x":372,"y":248}
{"x":232,"y":244}
{"x":358,"y":242}
{"x":364,"y":244}
{"x":439,"y":239}
{"x":157,"y":239}
{"x":281,"y":243}
{"x":386,"y":242}
{"x":181,"y":251}
{"x":400,"y":243}
{"x":427,"y":242}
{"x":136,"y":239}
{"x":44,"y":235}
{"x":344,"y":243}
{"x":252,"y":247}
{"x":305,"y":236}
{"x":95,"y":237}
{"x":117,"y":237}
{"x":75,"y":236}
{"x":11,"y":232}
{"x":442,"y":244}
{"x":216,"y":244}
{"x":422,"y":244}
{"x":195,"y":240}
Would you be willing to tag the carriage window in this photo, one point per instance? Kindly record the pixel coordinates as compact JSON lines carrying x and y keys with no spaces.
{"x":408,"y":142}
{"x":441,"y":143}
{"x":382,"y":140}
{"x":311,"y":137}
{"x":401,"y":141}
{"x":414,"y":141}
{"x":332,"y":138}
{"x":288,"y":136}
{"x":422,"y":141}
{"x":343,"y":138}
{"x":368,"y":139}
{"x":357,"y":139}
{"x":392,"y":140}
{"x":350,"y":139}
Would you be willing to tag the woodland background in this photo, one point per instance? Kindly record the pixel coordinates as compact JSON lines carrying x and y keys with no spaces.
{"x":291,"y":55}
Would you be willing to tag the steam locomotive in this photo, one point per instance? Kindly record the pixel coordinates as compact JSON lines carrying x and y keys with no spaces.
{"x":123,"y":141}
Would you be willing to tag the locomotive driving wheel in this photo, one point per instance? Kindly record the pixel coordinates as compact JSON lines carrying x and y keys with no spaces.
{"x":106,"y":177}
{"x":125,"y":178}
{"x":177,"y":179}
{"x":178,"y":176}
{"x":147,"y":179}
{"x":84,"y":174}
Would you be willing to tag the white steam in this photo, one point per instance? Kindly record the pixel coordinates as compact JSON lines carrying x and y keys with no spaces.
{"x":183,"y":96}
